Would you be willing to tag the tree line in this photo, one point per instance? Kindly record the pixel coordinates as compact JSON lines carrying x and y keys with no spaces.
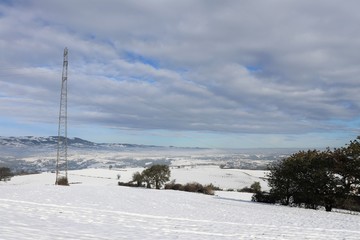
{"x":157,"y":175}
{"x":314,"y":178}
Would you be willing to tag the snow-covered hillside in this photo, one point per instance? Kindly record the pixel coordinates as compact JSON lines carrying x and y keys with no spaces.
{"x":31,"y":207}
{"x":222,"y":178}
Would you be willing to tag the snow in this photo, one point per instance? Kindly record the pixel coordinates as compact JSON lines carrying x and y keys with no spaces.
{"x":223,"y":178}
{"x":94,"y":207}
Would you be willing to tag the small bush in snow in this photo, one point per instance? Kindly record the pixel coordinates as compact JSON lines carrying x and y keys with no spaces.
{"x":63,"y":181}
{"x":129,"y":184}
{"x":263,"y":197}
{"x":209,"y":190}
{"x":5,"y":174}
{"x":254,"y":188}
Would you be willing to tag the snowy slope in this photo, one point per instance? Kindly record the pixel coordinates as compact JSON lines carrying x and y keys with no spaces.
{"x":223,"y":178}
{"x":31,"y":207}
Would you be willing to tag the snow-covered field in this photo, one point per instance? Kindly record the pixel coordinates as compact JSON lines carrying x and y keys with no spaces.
{"x":94,"y":207}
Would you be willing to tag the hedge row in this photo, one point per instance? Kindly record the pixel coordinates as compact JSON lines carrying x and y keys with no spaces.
{"x":192,"y":187}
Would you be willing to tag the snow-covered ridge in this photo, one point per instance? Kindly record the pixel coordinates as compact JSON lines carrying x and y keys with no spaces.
{"x":52,"y":140}
{"x":26,"y":141}
{"x":31,"y":141}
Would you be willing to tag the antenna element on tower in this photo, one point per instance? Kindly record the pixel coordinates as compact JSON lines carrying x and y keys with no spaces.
{"x":61,"y":159}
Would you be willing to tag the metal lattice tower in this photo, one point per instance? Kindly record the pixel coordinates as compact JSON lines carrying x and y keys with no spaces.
{"x":61,"y":159}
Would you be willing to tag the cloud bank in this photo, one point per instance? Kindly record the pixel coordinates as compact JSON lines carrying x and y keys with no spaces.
{"x":250,"y":68}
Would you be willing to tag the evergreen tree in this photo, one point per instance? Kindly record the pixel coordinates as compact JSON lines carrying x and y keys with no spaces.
{"x":304,"y":178}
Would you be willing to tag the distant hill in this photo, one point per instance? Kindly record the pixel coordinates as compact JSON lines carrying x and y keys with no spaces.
{"x":31,"y":141}
{"x":26,"y":141}
{"x":38,"y":154}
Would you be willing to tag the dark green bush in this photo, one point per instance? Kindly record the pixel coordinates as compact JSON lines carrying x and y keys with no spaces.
{"x":246,"y":189}
{"x":129,"y":184}
{"x":263,"y":197}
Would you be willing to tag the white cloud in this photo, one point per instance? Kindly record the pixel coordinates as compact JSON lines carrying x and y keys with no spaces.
{"x":234,"y":67}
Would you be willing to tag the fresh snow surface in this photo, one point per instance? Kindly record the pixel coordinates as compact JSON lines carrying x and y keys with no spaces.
{"x":223,"y":178}
{"x":208,"y":174}
{"x":94,"y":207}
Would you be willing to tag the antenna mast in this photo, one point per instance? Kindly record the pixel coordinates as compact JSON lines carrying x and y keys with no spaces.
{"x":61,"y":159}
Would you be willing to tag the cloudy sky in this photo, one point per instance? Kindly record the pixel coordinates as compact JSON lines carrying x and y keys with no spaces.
{"x":242,"y":73}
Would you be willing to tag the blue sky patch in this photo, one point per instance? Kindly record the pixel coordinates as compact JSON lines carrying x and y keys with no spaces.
{"x":134,"y":57}
{"x":7,"y":2}
{"x":253,"y":68}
